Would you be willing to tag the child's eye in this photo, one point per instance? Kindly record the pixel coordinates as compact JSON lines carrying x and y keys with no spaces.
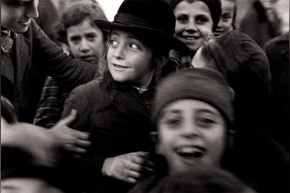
{"x":134,"y":46}
{"x":20,"y":3}
{"x":173,"y":122}
{"x":113,"y":43}
{"x":201,"y":19}
{"x":182,"y":18}
{"x":75,"y":40}
{"x":205,"y":122}
{"x":91,"y":37}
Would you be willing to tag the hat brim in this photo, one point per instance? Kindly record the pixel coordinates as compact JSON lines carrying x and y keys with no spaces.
{"x":164,"y":38}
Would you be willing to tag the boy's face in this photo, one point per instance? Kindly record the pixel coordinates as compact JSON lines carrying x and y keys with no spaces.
{"x":16,"y":15}
{"x":193,"y":23}
{"x":129,"y":59}
{"x":86,"y":41}
{"x":226,"y":21}
{"x":191,"y":133}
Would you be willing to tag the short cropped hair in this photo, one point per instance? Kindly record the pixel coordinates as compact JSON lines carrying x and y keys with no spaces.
{"x":75,"y":14}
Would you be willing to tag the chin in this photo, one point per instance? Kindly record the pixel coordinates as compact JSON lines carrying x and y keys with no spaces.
{"x":118,"y":77}
{"x":20,"y":30}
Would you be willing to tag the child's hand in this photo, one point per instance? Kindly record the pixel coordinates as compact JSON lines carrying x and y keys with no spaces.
{"x":71,"y":140}
{"x":127,"y":167}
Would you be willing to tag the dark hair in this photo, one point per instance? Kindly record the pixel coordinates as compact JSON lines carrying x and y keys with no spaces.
{"x":75,"y":14}
{"x":197,"y":180}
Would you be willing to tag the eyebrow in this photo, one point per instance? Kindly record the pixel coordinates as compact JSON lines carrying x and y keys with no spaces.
{"x":206,"y":111}
{"x":170,"y":111}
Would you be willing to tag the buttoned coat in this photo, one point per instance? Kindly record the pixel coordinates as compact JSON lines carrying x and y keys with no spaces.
{"x":118,"y":120}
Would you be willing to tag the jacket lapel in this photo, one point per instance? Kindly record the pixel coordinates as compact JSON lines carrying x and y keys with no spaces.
{"x":129,"y":103}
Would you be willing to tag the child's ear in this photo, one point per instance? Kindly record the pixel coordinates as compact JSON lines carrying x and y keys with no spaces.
{"x":161,"y":60}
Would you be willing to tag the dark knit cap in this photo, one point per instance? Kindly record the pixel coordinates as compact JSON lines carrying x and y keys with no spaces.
{"x":213,"y":5}
{"x":201,"y":84}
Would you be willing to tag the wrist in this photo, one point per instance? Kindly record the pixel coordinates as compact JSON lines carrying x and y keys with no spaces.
{"x":106,"y":166}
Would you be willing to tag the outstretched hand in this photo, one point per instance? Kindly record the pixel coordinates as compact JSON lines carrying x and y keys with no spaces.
{"x":71,"y":140}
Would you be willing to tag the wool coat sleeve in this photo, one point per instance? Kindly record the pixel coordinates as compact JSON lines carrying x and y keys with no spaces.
{"x":69,"y":72}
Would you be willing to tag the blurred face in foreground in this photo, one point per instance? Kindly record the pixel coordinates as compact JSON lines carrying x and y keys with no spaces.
{"x":130,"y":59}
{"x":27,"y":185}
{"x":16,"y":15}
{"x":193,"y":23}
{"x":191,"y":133}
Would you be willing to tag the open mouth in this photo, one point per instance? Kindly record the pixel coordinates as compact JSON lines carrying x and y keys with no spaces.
{"x":191,"y":153}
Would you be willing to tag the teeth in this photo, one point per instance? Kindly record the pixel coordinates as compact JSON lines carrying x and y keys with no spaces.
{"x":190,"y":149}
{"x":189,"y":38}
{"x":187,"y":150}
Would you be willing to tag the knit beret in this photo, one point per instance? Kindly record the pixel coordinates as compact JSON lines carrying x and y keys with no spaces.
{"x":213,"y":5}
{"x":202,"y":84}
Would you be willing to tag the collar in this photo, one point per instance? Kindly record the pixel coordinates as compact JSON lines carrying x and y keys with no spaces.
{"x":6,"y":41}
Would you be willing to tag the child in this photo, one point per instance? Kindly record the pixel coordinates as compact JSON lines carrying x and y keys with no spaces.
{"x":228,"y":17}
{"x":193,"y":114}
{"x":84,"y":40}
{"x":246,"y":69}
{"x":196,"y":20}
{"x":115,"y":110}
{"x":27,"y":57}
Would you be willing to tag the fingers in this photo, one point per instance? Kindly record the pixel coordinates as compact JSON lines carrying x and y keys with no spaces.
{"x":133,"y":176}
{"x":80,"y":134}
{"x":74,"y":149}
{"x":142,"y":160}
{"x":82,"y":143}
{"x":70,"y":118}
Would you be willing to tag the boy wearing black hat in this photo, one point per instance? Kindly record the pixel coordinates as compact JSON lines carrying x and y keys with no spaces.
{"x":115,"y":110}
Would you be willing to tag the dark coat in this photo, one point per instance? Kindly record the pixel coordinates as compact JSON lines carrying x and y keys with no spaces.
{"x":118,"y":119}
{"x":277,"y":51}
{"x":33,"y":57}
{"x":256,"y":158}
{"x":257,"y":24}
{"x":246,"y":68}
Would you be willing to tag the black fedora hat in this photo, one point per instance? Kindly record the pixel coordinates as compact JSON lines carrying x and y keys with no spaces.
{"x":151,"y":18}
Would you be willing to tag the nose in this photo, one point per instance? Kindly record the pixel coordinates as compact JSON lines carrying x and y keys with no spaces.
{"x":220,"y":24}
{"x":32,"y":11}
{"x":119,"y":52}
{"x":190,"y":130}
{"x":191,"y":26}
{"x":84,"y":46}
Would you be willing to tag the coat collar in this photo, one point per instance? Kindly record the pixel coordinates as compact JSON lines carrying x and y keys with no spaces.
{"x":127,"y":99}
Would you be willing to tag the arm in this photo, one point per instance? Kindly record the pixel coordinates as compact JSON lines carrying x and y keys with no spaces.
{"x":25,"y":136}
{"x":67,"y":71}
{"x":50,"y":104}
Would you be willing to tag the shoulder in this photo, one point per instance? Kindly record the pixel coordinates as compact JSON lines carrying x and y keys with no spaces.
{"x":92,"y":88}
{"x":277,"y":41}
